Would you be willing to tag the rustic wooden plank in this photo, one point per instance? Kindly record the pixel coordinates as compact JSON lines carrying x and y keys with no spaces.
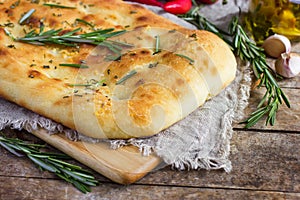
{"x":287,"y":118}
{"x":261,"y":161}
{"x":27,"y":188}
{"x":290,"y":83}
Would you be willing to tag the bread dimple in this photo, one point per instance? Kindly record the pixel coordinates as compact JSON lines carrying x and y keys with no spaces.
{"x":162,"y":85}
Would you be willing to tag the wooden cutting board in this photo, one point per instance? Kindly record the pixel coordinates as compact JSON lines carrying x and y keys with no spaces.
{"x":124,"y":165}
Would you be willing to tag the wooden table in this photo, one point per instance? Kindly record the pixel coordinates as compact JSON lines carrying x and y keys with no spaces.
{"x":265,"y":160}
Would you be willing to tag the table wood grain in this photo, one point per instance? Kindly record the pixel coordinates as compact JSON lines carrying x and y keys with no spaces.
{"x":265,"y":160}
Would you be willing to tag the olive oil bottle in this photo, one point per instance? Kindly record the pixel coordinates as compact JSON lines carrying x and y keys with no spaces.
{"x":267,"y":17}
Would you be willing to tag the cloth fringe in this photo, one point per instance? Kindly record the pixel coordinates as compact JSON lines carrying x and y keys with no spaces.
{"x":22,"y":118}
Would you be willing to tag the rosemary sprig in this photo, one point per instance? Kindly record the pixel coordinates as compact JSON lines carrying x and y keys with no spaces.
{"x":74,"y":37}
{"x":247,"y":50}
{"x":80,"y":178}
{"x":71,"y":38}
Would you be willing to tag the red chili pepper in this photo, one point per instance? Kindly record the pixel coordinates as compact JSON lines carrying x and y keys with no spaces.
{"x":149,"y":2}
{"x":178,"y":6}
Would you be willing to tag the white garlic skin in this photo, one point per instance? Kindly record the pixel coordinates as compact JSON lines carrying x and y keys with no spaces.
{"x":288,"y":65}
{"x":276,"y":44}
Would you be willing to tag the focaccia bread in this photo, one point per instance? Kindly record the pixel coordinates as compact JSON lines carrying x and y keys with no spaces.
{"x":134,"y":84}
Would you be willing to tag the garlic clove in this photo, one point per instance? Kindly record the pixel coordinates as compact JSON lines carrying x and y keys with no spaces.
{"x":288,"y":65}
{"x":276,"y":44}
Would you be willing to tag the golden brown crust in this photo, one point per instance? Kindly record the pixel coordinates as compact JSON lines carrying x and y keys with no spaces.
{"x":164,"y":87}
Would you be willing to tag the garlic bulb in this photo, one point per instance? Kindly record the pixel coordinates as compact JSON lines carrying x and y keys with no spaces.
{"x":276,"y":44}
{"x":288,"y":65}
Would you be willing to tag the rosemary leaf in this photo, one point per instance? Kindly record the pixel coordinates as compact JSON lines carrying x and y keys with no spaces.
{"x":25,"y":149}
{"x":256,"y":70}
{"x":263,"y":100}
{"x":98,"y":32}
{"x":285,"y":99}
{"x":26,"y":16}
{"x":42,"y":164}
{"x":113,"y":34}
{"x":85,"y":176}
{"x":261,"y":109}
{"x":78,"y":40}
{"x":73,"y":65}
{"x":157,"y":44}
{"x":63,"y":177}
{"x":85,"y":22}
{"x":10,"y":149}
{"x":75,"y":176}
{"x":273,"y":118}
{"x":127,"y":76}
{"x":65,"y":164}
{"x":271,"y":78}
{"x":58,"y":6}
{"x":81,"y":187}
{"x":191,"y":61}
{"x":70,"y":33}
{"x":51,"y":32}
{"x":252,"y":120}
